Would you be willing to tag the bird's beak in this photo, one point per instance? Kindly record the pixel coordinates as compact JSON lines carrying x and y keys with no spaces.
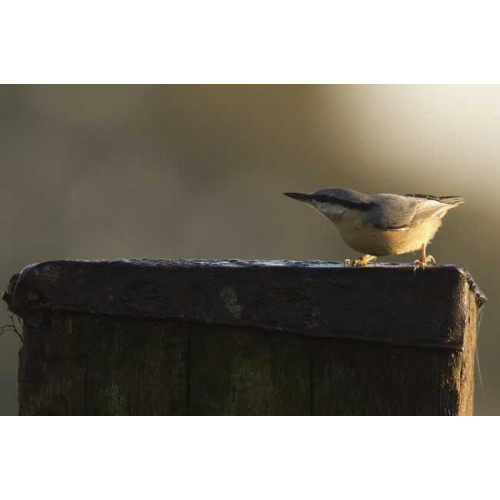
{"x":299,"y":196}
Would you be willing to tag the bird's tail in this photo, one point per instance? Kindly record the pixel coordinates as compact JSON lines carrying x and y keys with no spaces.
{"x":449,"y":200}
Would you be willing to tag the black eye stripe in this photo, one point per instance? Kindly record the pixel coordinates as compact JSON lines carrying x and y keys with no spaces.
{"x":324,"y":198}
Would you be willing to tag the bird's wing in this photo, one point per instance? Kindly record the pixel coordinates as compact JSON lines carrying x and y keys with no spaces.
{"x":398,"y":213}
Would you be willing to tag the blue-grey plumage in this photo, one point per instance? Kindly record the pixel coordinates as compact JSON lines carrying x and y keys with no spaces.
{"x":382,"y":224}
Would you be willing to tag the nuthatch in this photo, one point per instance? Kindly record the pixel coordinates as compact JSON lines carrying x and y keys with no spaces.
{"x":382,"y":224}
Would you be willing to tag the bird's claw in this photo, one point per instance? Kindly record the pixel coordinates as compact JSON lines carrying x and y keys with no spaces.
{"x":422,"y":263}
{"x":355,"y":263}
{"x":361,"y":262}
{"x":352,"y":263}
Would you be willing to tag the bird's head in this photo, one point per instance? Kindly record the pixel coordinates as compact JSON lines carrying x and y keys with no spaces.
{"x":335,"y":202}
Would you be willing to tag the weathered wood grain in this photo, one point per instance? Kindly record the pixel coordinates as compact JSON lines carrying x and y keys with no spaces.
{"x":244,"y":339}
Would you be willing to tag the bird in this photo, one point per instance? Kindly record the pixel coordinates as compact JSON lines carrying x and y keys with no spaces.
{"x":382,"y":224}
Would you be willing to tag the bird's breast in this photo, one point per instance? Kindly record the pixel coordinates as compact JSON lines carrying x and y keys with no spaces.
{"x":368,"y":239}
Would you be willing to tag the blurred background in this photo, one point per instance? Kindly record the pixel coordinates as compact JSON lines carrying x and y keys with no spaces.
{"x":198,"y":171}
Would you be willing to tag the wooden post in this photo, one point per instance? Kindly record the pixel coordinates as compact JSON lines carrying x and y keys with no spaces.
{"x":244,"y":338}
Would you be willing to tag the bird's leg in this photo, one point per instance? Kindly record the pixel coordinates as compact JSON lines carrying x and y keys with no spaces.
{"x":424,"y":259}
{"x":362,"y":261}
